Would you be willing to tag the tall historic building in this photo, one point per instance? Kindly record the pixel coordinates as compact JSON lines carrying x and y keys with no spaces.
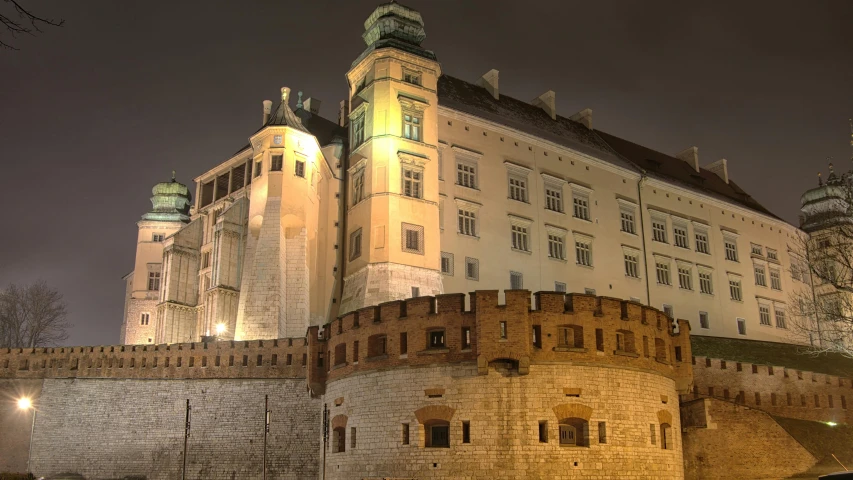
{"x":428,"y":183}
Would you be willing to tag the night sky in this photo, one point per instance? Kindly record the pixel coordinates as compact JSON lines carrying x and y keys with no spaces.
{"x":93,"y":114}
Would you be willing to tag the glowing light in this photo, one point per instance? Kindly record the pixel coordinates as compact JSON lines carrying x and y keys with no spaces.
{"x":220,"y":328}
{"x":831,"y":424}
{"x":25,"y":403}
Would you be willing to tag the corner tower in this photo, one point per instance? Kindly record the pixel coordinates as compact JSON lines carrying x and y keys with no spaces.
{"x":170,"y":203}
{"x":392,"y":230}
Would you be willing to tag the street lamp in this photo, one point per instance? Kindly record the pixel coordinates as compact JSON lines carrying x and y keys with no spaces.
{"x":26,"y":404}
{"x":220,"y":328}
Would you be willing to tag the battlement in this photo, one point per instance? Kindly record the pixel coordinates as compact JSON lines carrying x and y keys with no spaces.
{"x":558,"y":327}
{"x":280,"y":358}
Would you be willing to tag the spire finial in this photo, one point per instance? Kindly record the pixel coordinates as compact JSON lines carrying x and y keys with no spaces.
{"x":299,"y":99}
{"x":285,"y":92}
{"x":173,"y":176}
{"x":830,"y":166}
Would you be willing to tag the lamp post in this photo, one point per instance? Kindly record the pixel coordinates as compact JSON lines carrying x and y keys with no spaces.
{"x":26,"y":404}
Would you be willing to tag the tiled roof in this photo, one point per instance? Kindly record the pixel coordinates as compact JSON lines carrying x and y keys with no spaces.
{"x":475,"y":100}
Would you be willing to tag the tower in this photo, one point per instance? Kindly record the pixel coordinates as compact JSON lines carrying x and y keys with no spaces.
{"x":392,"y":228}
{"x":170,"y":202}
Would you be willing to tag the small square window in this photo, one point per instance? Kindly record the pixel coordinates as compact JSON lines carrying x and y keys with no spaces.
{"x":413,"y":238}
{"x":435,"y":339}
{"x":516,"y":280}
{"x":447,"y":263}
{"x":472,"y":268}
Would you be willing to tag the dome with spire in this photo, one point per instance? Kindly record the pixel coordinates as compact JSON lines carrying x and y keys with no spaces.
{"x":395,"y":26}
{"x":170,"y":202}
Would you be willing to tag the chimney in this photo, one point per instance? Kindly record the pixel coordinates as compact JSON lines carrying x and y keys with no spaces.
{"x":312,"y":105}
{"x":691,"y":156}
{"x":548,"y":102}
{"x":721,"y":168}
{"x":267,"y":110}
{"x":584,"y":117}
{"x":489,"y":81}
{"x":342,"y":114}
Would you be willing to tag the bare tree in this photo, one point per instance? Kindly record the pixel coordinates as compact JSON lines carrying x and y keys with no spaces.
{"x":17,"y":20}
{"x":32,"y":316}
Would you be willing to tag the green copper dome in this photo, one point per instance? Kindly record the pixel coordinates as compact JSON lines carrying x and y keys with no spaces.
{"x":170,"y":202}
{"x":393,"y":25}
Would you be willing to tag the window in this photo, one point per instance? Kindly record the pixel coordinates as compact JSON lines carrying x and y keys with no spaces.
{"x":435,"y":339}
{"x":705,"y":284}
{"x":741,"y":326}
{"x":703,"y":320}
{"x":680,"y":234}
{"x":775,"y":279}
{"x":517,"y":188}
{"x":665,"y":436}
{"x":543,"y":431}
{"x":632,"y":265}
{"x":352,"y":437}
{"x":467,"y":222}
{"x":416,"y":292}
{"x":589,"y":291}
{"x":472,"y":268}
{"x":145,"y":319}
{"x":277,"y":163}
{"x":662,"y":272}
{"x":503,"y":330}
{"x":466,"y":432}
{"x":355,"y":244}
{"x":780,"y":318}
{"x":153,"y":281}
{"x":583,"y":253}
{"x":764,"y":314}
{"x":756,"y":249}
{"x":516,"y":281}
{"x":404,"y":343}
{"x":413,"y":238}
{"x":560,"y":287}
{"x":447,"y":263}
{"x":405,"y":433}
{"x":299,"y":168}
{"x":659,"y":230}
{"x":702,"y":242}
{"x":731,"y":249}
{"x":556,"y":246}
{"x":772,"y":255}
{"x":760,"y":278}
{"x":667,"y":309}
{"x":157,"y":237}
{"x":339,"y":440}
{"x":554,"y":198}
{"x":466,"y":338}
{"x":466,"y":174}
{"x":412,"y":182}
{"x":358,"y":186}
{"x":573,"y":432}
{"x":602,"y":432}
{"x":685,"y":278}
{"x":437,"y":434}
{"x":412,"y":127}
{"x":627,"y":218}
{"x":259,"y":169}
{"x":520,"y":238}
{"x":653,"y":431}
{"x":358,"y":131}
{"x":377,"y":345}
{"x":411,"y":77}
{"x":580,"y":205}
{"x":735,"y":290}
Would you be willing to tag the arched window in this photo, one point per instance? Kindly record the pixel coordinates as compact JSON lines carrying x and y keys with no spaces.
{"x":666,"y":436}
{"x":339,"y":440}
{"x":437,"y":434}
{"x":574,"y":432}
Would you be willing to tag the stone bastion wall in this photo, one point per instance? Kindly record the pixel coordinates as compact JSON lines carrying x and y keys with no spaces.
{"x":425,"y":389}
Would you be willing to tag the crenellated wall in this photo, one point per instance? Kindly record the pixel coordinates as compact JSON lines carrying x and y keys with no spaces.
{"x":776,"y":389}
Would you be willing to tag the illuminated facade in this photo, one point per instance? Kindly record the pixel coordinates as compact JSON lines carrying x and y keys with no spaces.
{"x":429,"y":184}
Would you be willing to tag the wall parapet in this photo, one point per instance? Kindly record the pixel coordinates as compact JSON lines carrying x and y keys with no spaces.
{"x":279,"y":358}
{"x":554,"y":328}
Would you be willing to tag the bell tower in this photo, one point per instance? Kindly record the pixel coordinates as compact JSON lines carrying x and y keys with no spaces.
{"x":392,"y":238}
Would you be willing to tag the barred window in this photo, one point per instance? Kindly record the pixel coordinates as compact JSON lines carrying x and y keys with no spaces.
{"x":153,"y":281}
{"x":632,"y":265}
{"x":731,"y":249}
{"x":447,"y":263}
{"x":702,"y":242}
{"x":735,"y":290}
{"x":554,"y":198}
{"x":775,"y":279}
{"x":412,"y":182}
{"x":517,"y":188}
{"x":662,"y":273}
{"x":355,"y":244}
{"x":627,"y":218}
{"x":703,"y":320}
{"x":581,"y":206}
{"x":466,"y":175}
{"x":764,"y":314}
{"x":467,"y":222}
{"x":756,"y":249}
{"x":358,"y":131}
{"x":556,"y":247}
{"x":277,"y":163}
{"x":560,"y":287}
{"x":412,"y":126}
{"x":520,"y":238}
{"x":760,"y":279}
{"x":358,"y":186}
{"x":685,"y":278}
{"x":472,"y":268}
{"x":680,"y":235}
{"x":771,"y":254}
{"x":299,"y":168}
{"x":583,"y":253}
{"x":659,"y":230}
{"x":705,"y":284}
{"x":516,"y":280}
{"x":780,"y":318}
{"x":412,"y":240}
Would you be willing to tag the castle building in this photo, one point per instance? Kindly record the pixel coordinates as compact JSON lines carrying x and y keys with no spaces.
{"x":427,"y":184}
